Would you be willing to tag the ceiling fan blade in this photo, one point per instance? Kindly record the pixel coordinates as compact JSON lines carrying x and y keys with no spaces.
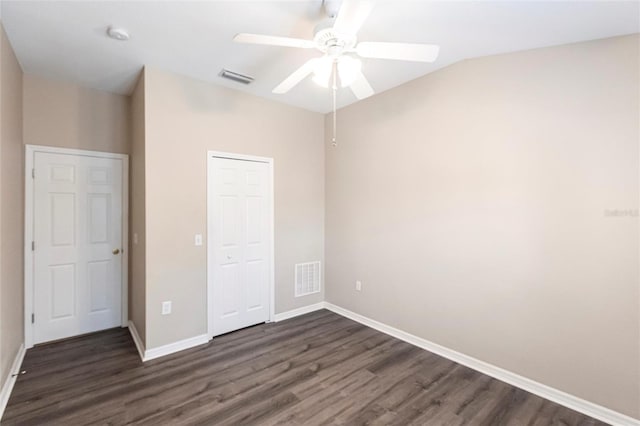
{"x":274,"y":40}
{"x":361,"y":87}
{"x":398,"y":51}
{"x":351,"y":16}
{"x":296,"y":77}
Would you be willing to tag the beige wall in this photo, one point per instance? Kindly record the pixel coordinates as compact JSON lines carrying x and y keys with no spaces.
{"x":137,"y":252}
{"x":185,"y":118}
{"x":69,"y":116}
{"x":11,"y":208}
{"x":471,"y":204}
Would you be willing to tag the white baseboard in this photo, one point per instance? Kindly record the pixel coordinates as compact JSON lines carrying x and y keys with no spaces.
{"x":175,"y":347}
{"x":297,"y":312}
{"x":7,"y":387}
{"x":136,"y":339}
{"x":578,"y":404}
{"x":181,"y":345}
{"x":149,"y":354}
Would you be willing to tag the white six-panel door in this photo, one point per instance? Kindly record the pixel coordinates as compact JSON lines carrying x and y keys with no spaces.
{"x":77,"y":256}
{"x":240,"y":243}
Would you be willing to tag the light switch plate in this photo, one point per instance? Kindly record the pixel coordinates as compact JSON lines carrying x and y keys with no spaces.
{"x":198,"y":239}
{"x":359,"y":285}
{"x":166,"y":308}
{"x":135,"y":238}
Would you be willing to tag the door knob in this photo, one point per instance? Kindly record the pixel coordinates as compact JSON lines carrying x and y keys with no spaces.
{"x":116,"y":251}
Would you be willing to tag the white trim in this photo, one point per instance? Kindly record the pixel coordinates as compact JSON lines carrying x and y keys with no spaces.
{"x":160,"y":351}
{"x":28,"y":253}
{"x":7,"y":387}
{"x":300,"y":311}
{"x":136,"y":339}
{"x":578,"y":404}
{"x":178,"y":346}
{"x":72,"y":151}
{"x":30,"y":151}
{"x":124,"y":304}
{"x":234,"y":156}
{"x":210,"y":236}
{"x":272,"y":221}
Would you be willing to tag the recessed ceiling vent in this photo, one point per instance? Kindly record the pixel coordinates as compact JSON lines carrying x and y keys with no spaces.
{"x":234,"y":76}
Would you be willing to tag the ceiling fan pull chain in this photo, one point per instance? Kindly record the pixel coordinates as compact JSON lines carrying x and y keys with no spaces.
{"x":335,"y":89}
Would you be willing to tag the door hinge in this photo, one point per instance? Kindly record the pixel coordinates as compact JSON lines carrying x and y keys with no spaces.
{"x":33,"y":318}
{"x":33,"y":173}
{"x":33,"y":245}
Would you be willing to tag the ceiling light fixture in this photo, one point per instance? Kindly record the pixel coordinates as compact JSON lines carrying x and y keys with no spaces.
{"x":118,"y":34}
{"x":322,"y":69}
{"x":348,"y":69}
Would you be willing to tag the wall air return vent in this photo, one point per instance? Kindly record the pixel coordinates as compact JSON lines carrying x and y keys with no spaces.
{"x":307,"y":278}
{"x":234,"y":76}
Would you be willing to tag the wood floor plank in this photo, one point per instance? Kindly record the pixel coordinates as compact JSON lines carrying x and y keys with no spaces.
{"x":315,"y":369}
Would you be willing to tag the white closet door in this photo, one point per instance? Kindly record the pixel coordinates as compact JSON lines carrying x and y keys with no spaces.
{"x":240,"y":271}
{"x":78,"y":245}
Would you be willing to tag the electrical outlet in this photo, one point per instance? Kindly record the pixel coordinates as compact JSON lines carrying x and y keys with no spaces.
{"x":198,"y":239}
{"x":166,"y":308}
{"x":359,"y":285}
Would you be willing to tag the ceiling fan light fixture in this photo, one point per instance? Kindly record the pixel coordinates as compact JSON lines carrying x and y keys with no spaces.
{"x":322,"y":69}
{"x":348,"y":70}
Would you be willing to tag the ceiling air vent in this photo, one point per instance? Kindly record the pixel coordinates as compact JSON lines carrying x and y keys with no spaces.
{"x":234,"y":76}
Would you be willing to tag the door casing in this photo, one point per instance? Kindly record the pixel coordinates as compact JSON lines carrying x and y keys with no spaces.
{"x":211,"y":236}
{"x":30,"y":151}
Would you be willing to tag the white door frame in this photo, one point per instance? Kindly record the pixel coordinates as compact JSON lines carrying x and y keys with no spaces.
{"x":30,"y":151}
{"x":210,"y":236}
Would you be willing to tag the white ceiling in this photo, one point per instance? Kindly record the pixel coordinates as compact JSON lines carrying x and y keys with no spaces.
{"x":66,"y":40}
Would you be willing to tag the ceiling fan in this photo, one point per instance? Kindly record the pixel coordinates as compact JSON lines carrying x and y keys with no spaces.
{"x":336,"y":39}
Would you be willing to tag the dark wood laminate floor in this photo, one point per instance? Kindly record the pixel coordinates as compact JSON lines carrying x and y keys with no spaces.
{"x":316,"y":369}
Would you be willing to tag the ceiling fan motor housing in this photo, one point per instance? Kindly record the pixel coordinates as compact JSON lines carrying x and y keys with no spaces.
{"x":329,"y":42}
